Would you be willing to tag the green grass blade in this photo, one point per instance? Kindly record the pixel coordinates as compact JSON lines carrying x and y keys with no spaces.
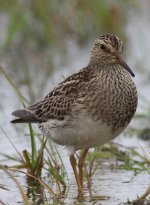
{"x":33,"y":146}
{"x":19,"y":94}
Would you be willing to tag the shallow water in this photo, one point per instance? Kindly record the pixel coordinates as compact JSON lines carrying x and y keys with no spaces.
{"x":117,"y":185}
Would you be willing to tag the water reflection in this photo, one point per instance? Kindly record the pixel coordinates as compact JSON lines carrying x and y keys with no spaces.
{"x":35,"y":191}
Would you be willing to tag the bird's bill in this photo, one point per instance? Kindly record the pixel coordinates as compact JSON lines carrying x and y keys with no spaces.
{"x":123,"y":63}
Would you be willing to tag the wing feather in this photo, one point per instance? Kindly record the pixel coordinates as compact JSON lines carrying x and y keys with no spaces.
{"x":60,"y":101}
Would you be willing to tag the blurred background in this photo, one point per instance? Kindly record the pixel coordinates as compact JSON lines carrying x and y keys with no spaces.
{"x":44,"y":41}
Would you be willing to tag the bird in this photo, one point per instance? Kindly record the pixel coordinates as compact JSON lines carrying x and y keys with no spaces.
{"x":90,"y":107}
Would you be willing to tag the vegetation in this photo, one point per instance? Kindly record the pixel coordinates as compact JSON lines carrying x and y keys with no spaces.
{"x":37,"y":39}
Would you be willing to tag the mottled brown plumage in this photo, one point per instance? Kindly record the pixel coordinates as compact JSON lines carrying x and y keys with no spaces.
{"x":103,"y":90}
{"x":90,"y":107}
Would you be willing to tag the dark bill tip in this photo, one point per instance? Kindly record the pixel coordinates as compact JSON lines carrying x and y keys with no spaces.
{"x":123,"y":63}
{"x":133,"y":75}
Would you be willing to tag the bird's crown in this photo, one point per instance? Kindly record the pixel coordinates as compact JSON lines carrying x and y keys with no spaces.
{"x":111,"y":40}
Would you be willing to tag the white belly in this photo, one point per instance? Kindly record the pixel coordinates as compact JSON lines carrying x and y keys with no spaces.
{"x":78,"y":134}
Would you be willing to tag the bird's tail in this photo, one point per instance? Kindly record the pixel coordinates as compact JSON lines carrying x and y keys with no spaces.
{"x":24,"y":116}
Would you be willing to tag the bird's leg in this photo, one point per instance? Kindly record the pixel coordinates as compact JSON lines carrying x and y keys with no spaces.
{"x":73,"y":164}
{"x":81,"y":164}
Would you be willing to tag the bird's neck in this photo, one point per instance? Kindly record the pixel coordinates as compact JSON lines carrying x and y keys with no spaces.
{"x":109,"y":69}
{"x":97,"y":61}
{"x":96,"y":64}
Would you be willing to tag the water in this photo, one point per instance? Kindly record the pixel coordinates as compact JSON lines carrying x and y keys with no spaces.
{"x":117,"y":185}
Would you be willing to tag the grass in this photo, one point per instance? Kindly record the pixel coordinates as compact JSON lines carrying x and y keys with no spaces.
{"x":21,"y":189}
{"x":34,"y":162}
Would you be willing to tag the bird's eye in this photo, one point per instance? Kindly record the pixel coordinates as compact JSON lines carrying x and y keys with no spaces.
{"x":102,"y":46}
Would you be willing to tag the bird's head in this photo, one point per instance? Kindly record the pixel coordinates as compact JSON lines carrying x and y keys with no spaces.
{"x":108,"y":50}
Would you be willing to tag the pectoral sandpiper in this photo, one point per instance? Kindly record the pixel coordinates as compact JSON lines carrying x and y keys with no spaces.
{"x":89,"y":108}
